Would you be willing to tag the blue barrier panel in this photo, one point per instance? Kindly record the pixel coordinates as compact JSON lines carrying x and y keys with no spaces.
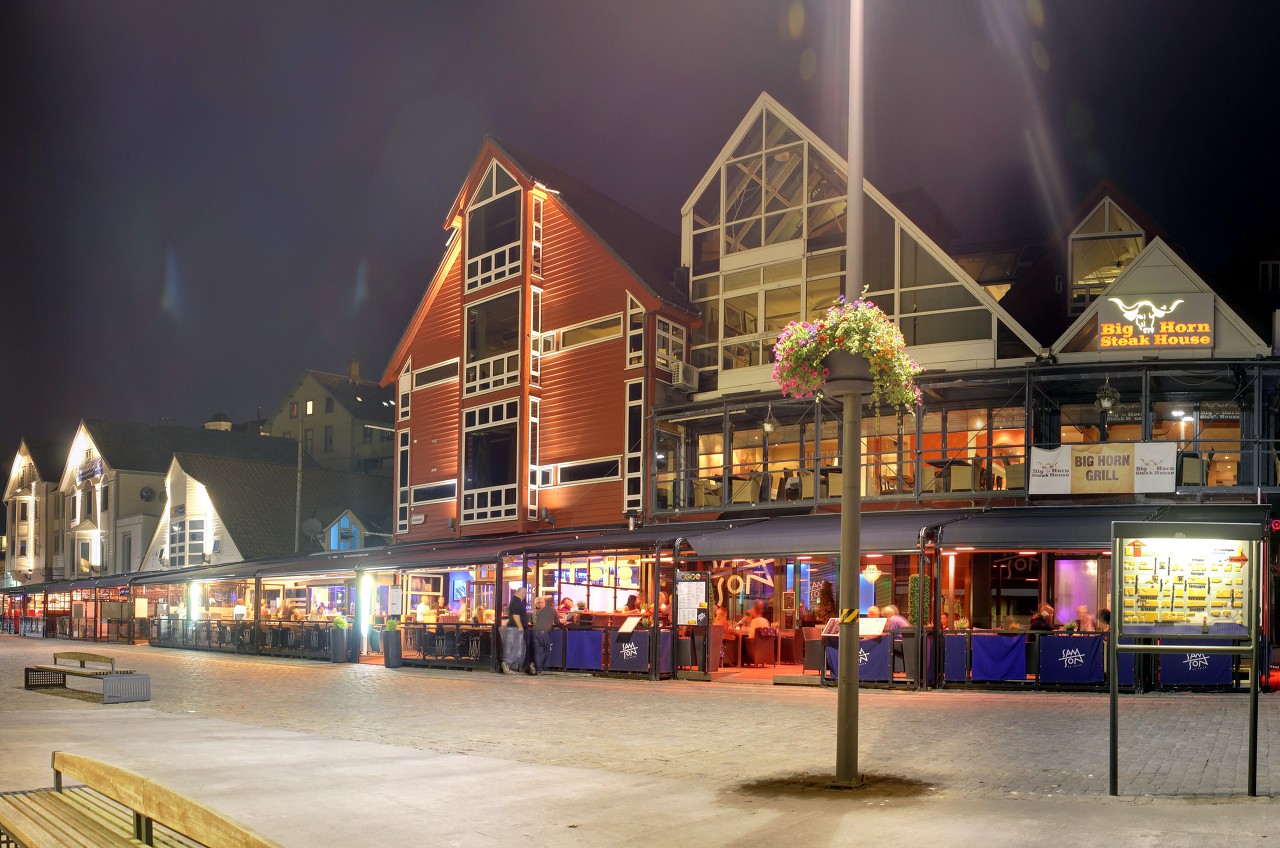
{"x":997,"y":656}
{"x":874,"y":660}
{"x":955,"y":658}
{"x":630,"y":651}
{"x":1194,"y":669}
{"x":1071,"y":659}
{"x":583,"y":649}
{"x":556,"y":659}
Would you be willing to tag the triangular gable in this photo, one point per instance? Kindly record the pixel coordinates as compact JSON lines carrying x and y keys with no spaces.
{"x":951,"y":355}
{"x":1159,"y":274}
{"x":401,"y":354}
{"x":80,"y":443}
{"x":613,"y":227}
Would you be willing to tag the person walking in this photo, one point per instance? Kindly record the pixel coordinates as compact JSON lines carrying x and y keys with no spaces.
{"x":544,"y":618}
{"x":513,"y":631}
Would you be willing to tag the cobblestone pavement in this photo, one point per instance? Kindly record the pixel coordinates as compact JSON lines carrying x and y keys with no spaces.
{"x":750,"y":744}
{"x":961,"y":744}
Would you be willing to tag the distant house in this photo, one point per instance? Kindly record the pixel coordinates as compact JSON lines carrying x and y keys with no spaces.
{"x":34,"y":512}
{"x":344,"y":422}
{"x":222,"y":509}
{"x":112,"y":488}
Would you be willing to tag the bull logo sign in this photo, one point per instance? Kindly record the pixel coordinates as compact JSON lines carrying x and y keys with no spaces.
{"x":1156,"y":321}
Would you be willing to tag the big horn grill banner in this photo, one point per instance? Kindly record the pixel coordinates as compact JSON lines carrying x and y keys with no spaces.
{"x":1100,"y":469}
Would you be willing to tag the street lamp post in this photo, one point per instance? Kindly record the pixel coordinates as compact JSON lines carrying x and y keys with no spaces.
{"x":850,"y":392}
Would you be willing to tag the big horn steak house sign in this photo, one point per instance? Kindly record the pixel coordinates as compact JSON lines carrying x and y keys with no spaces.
{"x":1168,"y":321}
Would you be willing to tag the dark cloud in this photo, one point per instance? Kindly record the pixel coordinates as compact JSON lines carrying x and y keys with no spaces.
{"x":203,"y":199}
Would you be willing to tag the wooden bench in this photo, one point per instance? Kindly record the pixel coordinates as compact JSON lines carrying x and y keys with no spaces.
{"x":118,"y":685}
{"x":114,"y":806}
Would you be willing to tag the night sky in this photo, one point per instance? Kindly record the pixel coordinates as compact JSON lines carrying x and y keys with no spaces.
{"x":200,"y":200}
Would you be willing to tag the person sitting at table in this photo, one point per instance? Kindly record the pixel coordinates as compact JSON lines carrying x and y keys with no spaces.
{"x":287,"y":611}
{"x":721,"y":616}
{"x":1104,"y":620}
{"x":757,"y":619}
{"x":895,"y":619}
{"x":565,"y":613}
{"x":873,"y":611}
{"x":946,"y":620}
{"x":1043,"y":619}
{"x":1083,"y":620}
{"x":632,"y":606}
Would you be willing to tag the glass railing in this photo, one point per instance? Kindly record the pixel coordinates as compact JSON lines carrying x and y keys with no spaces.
{"x":998,"y":472}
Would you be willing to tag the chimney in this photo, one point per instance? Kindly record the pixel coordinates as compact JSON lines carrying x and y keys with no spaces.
{"x":353,"y":369}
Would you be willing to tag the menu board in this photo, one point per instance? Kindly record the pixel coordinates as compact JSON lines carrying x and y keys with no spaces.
{"x":1184,"y":585}
{"x":691,"y":598}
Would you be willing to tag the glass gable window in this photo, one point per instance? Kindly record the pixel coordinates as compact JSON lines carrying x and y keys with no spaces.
{"x":493,"y":229}
{"x":934,"y":307}
{"x":1101,"y":248}
{"x":493,"y":343}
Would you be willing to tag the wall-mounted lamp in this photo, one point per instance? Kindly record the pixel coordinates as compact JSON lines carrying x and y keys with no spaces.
{"x":545,"y":515}
{"x":453,"y":524}
{"x":634,"y":521}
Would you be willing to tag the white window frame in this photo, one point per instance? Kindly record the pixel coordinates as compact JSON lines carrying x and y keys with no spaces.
{"x":484,"y":508}
{"x":505,"y":262}
{"x":615,"y":317}
{"x":614,"y":458}
{"x":442,"y":363}
{"x":495,"y":372}
{"x":635,"y":329}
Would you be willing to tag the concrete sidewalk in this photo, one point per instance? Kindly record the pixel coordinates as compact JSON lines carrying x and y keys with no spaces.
{"x":316,"y":755}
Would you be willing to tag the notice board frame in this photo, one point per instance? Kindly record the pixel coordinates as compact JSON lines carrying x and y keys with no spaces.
{"x":1251,"y":536}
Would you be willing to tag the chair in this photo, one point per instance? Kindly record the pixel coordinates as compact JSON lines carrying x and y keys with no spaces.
{"x":931,"y":480}
{"x":1192,"y":470}
{"x":746,"y":490}
{"x":962,"y":478}
{"x":705,"y":493}
{"x":813,"y":652}
{"x":806,"y":484}
{"x":833,"y":484}
{"x":762,"y":648}
{"x":1015,"y":475}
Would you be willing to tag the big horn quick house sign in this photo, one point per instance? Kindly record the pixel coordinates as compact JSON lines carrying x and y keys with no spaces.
{"x":1177,"y":321}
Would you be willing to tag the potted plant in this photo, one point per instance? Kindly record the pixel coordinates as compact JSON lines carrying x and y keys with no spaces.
{"x":338,"y":628}
{"x":806,"y":351}
{"x":392,"y":647}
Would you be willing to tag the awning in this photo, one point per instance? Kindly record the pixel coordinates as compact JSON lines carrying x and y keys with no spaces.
{"x":882,"y":532}
{"x":464,"y":552}
{"x":642,"y":538}
{"x":1012,"y":528}
{"x":30,"y":589}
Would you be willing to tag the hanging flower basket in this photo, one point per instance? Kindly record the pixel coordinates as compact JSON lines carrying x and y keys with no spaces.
{"x":803,"y":366}
{"x":1107,"y":398}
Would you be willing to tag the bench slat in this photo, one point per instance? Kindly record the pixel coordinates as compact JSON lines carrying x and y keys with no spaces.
{"x":73,"y":819}
{"x":51,"y":827}
{"x":15,"y":822}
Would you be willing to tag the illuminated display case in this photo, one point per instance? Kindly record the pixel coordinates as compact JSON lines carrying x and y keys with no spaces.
{"x":1185,"y":579}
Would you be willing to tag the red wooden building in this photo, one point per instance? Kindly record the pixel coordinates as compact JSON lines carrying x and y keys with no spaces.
{"x":525,"y":377}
